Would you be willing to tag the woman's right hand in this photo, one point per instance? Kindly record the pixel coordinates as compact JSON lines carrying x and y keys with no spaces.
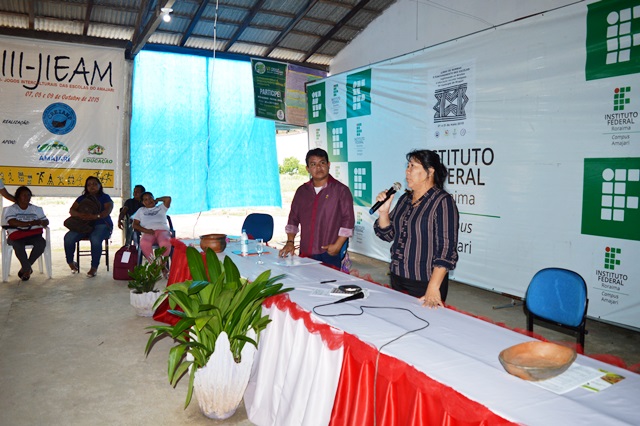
{"x":384,"y":209}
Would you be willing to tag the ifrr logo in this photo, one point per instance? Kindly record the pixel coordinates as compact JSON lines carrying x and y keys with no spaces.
{"x":613,"y":38}
{"x":610,"y":259}
{"x":611,"y":198}
{"x":620,"y":99}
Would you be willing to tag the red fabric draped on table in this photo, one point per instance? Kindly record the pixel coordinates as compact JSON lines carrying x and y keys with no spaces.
{"x":404,"y":396}
{"x":179,"y":272}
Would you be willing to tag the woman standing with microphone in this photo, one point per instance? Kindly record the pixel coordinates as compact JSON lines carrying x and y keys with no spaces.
{"x":423,"y":229}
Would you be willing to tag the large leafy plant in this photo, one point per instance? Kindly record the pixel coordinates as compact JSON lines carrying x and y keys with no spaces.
{"x":216,"y":300}
{"x":145,"y":276}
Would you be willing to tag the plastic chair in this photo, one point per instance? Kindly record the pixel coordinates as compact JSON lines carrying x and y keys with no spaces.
{"x":136,"y":241}
{"x":79,"y":253}
{"x":7,"y":251}
{"x":558,"y":297}
{"x":259,"y":225}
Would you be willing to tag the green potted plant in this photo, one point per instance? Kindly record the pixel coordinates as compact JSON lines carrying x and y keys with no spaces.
{"x":143,"y":294}
{"x":216,"y":336}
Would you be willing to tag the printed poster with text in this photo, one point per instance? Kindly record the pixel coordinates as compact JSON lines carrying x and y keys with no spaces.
{"x":269,"y":87}
{"x":65,"y":121}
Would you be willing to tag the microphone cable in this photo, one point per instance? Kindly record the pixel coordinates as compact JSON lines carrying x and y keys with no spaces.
{"x":361,"y":308}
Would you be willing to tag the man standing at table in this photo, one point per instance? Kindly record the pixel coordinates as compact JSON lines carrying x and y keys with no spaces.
{"x":323,"y":210}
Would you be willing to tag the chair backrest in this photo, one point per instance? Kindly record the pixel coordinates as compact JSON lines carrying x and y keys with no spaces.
{"x":259,"y":225}
{"x":558,"y":295}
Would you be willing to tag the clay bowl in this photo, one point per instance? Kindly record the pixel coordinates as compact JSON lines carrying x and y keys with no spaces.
{"x":536,"y":360}
{"x":217,"y":242}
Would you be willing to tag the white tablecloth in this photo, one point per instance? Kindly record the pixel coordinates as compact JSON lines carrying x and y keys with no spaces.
{"x":455,"y":349}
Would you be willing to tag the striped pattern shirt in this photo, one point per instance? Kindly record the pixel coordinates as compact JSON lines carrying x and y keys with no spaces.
{"x":423,"y":236}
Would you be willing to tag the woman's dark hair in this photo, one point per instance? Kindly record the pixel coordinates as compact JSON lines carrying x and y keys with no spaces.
{"x":100,"y":191}
{"x":20,"y":190}
{"x":317,"y":152}
{"x":146,"y":193}
{"x":427,"y":159}
{"x":139,"y":186}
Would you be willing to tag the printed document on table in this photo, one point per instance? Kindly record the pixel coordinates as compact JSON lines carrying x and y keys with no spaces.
{"x":576,"y":376}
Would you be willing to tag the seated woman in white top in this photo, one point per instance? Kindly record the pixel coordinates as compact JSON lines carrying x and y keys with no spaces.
{"x":28,"y":221}
{"x":151,"y":222}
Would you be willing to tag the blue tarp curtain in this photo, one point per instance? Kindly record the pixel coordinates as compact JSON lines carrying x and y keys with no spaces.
{"x":194,"y":135}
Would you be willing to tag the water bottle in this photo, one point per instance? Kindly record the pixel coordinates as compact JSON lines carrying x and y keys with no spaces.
{"x":244,"y":243}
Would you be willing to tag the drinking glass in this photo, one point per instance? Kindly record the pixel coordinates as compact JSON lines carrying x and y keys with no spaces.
{"x":259,"y":250}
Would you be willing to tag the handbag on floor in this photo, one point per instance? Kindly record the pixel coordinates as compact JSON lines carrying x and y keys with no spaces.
{"x":125,"y":259}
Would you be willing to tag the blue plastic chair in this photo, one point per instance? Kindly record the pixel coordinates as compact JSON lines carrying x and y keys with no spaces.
{"x":558,"y":297}
{"x":259,"y":225}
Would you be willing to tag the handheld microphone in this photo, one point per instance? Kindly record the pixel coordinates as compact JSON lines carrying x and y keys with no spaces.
{"x":358,"y":295}
{"x":395,"y":188}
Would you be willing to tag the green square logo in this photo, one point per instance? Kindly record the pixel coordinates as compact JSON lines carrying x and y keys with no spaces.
{"x":360,"y":182}
{"x":610,"y":260}
{"x":620,"y":97}
{"x":359,"y":94}
{"x":611,"y":190}
{"x":315,"y":100}
{"x":613,"y":39}
{"x":337,"y":141}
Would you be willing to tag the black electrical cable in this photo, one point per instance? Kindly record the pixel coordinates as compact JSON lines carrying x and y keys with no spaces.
{"x":361,"y":308}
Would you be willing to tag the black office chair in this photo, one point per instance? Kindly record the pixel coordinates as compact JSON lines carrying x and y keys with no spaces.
{"x":83,"y":253}
{"x":259,"y":225}
{"x":558,"y":297}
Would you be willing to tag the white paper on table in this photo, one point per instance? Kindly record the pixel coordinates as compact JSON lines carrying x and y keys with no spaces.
{"x":576,"y":376}
{"x":296,"y":261}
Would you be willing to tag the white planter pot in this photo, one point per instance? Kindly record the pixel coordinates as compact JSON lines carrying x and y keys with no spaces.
{"x":143,"y":302}
{"x":219,"y":386}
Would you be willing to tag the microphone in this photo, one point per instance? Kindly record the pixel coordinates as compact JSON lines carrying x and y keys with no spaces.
{"x":358,"y":295}
{"x":395,"y":188}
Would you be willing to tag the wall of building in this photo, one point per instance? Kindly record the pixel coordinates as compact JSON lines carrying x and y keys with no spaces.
{"x":411,"y":25}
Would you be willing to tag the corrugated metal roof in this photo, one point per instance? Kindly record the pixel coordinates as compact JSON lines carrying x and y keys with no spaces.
{"x":306,"y":32}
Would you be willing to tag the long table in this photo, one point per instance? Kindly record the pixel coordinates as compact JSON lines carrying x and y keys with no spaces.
{"x":325,"y":366}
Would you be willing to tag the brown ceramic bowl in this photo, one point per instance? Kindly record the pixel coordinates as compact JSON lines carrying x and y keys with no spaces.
{"x":536,"y":360}
{"x":217,"y":242}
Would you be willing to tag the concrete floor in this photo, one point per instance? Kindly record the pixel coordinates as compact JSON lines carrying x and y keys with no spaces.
{"x":71,"y":350}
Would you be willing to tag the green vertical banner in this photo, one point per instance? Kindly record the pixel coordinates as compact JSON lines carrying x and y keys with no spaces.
{"x":269,"y":88}
{"x":360,"y":178}
{"x":316,"y":110}
{"x":337,"y":141}
{"x":359,"y":94}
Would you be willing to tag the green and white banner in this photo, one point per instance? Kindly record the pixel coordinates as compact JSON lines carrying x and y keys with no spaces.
{"x":538,"y":124}
{"x":61,"y":115}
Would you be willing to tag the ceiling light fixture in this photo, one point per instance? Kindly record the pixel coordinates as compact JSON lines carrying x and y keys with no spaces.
{"x":166,"y":14}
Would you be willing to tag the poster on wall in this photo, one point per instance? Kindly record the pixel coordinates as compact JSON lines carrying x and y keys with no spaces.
{"x":269,"y":87}
{"x":64,"y":121}
{"x":537,"y":123}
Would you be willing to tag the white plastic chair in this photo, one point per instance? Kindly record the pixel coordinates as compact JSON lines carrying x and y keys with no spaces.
{"x":7,"y":252}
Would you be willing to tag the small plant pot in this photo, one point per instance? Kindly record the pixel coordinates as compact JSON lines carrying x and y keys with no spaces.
{"x":219,"y":386}
{"x":143,"y":302}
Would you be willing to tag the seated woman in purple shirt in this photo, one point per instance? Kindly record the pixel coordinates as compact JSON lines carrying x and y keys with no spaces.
{"x":101,"y":222}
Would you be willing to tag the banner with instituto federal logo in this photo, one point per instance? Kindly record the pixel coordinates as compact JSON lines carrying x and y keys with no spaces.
{"x":61,"y":116}
{"x":537,"y":122}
